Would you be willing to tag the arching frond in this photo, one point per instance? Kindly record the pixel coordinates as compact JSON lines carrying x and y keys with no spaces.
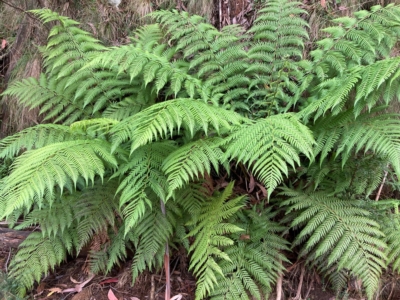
{"x":96,"y":209}
{"x":51,"y":96}
{"x":216,"y":57}
{"x":269,"y":146}
{"x":339,"y":232}
{"x":38,"y":255}
{"x":164,"y":119}
{"x":94,"y":127}
{"x":151,"y":63}
{"x":36,"y":137}
{"x":378,"y":134}
{"x":143,"y":177}
{"x":38,"y":172}
{"x":191,"y":161}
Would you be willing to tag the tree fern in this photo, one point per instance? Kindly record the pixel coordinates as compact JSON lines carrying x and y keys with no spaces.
{"x":149,"y":120}
{"x":337,"y":231}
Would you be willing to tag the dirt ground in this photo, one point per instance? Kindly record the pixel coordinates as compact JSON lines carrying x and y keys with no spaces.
{"x":147,"y":286}
{"x":64,"y":282}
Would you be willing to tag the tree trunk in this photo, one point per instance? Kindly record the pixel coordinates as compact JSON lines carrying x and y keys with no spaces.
{"x":10,"y":238}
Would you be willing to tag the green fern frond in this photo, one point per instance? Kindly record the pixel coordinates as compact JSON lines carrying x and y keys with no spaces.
{"x":367,"y":133}
{"x":335,"y":93}
{"x":191,"y":161}
{"x":94,"y":128}
{"x":341,"y":233}
{"x":130,"y":105}
{"x":37,"y":255}
{"x":338,"y":278}
{"x":112,"y":253}
{"x":211,"y":237}
{"x":379,"y":134}
{"x":358,"y":40}
{"x":194,"y":34}
{"x":280,"y":20}
{"x":393,"y":251}
{"x":191,"y":197}
{"x":386,"y":213}
{"x":154,"y":65}
{"x":150,"y":248}
{"x":256,"y":258}
{"x":373,"y":78}
{"x":216,"y":57}
{"x":95,"y":209}
{"x":50,"y":95}
{"x":68,"y":50}
{"x":52,"y":219}
{"x":371,"y":138}
{"x":164,"y":119}
{"x":46,"y":15}
{"x":143,"y":177}
{"x":37,"y":172}
{"x":36,"y":137}
{"x":58,"y":92}
{"x":275,"y":57}
{"x":360,"y":176}
{"x":67,"y":43}
{"x":269,"y":145}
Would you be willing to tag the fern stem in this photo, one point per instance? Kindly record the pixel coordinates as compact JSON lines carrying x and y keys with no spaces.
{"x":166,"y":261}
{"x":279,"y":282}
{"x":279,"y":285}
{"x":153,"y":288}
{"x":300,"y":286}
{"x":383,"y":182}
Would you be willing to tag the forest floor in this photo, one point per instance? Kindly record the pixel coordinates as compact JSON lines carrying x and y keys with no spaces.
{"x":71,"y":281}
{"x":65,"y":282}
